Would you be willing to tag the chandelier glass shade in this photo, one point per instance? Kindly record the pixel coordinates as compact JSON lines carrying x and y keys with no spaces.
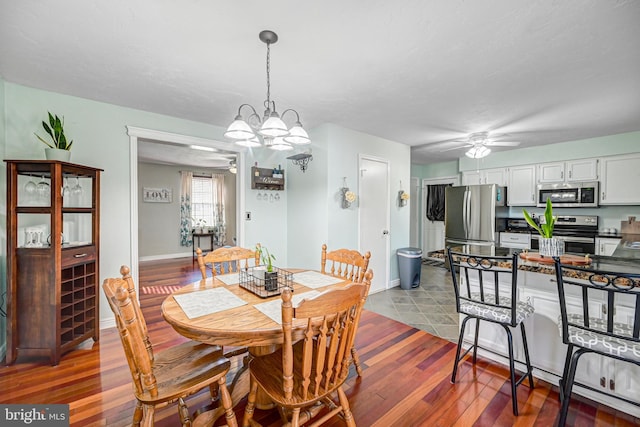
{"x":478,"y":151}
{"x":271,"y":128}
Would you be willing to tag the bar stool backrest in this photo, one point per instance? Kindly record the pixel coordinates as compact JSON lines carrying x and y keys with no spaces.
{"x":485,"y":280}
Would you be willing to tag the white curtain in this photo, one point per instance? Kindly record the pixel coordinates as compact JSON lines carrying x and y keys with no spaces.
{"x":185,"y":208}
{"x":219,"y":198}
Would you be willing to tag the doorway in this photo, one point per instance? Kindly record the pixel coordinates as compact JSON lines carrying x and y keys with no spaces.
{"x":374,"y":210}
{"x":433,"y":230}
{"x":139,"y":134}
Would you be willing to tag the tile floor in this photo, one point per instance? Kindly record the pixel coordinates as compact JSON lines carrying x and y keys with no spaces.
{"x":430,"y":307}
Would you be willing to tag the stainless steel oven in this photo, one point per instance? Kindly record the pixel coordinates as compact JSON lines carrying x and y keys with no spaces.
{"x":569,"y":195}
{"x":577,"y":232}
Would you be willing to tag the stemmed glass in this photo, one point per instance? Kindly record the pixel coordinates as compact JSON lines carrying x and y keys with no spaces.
{"x":30,"y":188}
{"x":66,"y":192}
{"x":43,"y":188}
{"x":77,"y":189}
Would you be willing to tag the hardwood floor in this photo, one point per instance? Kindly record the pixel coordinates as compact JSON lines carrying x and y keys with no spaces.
{"x":406,"y":377}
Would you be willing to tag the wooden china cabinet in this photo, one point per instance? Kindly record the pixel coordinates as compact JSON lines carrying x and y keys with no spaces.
{"x":53,"y":241}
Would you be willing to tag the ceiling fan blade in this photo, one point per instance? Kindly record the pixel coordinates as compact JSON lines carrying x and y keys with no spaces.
{"x":456,"y":148}
{"x":501,"y":143}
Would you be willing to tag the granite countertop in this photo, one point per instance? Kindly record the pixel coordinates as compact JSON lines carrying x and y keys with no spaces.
{"x":603,"y":263}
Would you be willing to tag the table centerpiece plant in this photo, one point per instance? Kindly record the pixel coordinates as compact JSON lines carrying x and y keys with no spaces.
{"x":266,"y":269}
{"x":549,"y":245}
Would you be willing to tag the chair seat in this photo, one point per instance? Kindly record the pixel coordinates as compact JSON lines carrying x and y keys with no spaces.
{"x":267,"y":371}
{"x":602,"y":343}
{"x":497,"y":314}
{"x":185,"y":369}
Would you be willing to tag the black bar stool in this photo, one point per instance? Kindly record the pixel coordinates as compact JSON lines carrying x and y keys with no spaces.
{"x":586,"y":331}
{"x":476,"y":281}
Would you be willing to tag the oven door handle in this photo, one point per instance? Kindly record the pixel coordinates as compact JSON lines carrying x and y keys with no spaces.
{"x":568,"y":238}
{"x":576,"y":239}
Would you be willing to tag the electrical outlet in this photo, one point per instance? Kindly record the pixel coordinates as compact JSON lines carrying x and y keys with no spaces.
{"x":247,"y":216}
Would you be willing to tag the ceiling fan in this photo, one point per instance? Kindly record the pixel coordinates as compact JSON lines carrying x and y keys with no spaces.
{"x":479,"y":143}
{"x":233,"y":167}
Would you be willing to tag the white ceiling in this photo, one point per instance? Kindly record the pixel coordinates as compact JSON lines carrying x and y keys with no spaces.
{"x":413,"y":71}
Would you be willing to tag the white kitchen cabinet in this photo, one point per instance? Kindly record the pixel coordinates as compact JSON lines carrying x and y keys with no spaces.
{"x":471,"y":178}
{"x":569,"y":171}
{"x":522,"y":186}
{"x":486,"y":176}
{"x":620,"y":175}
{"x":582,"y":170}
{"x":551,"y":172}
{"x":606,"y":246}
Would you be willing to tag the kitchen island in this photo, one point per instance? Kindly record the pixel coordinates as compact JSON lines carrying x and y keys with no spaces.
{"x":537,"y":285}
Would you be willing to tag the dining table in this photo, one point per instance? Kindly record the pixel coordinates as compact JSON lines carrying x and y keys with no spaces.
{"x":223,"y":310}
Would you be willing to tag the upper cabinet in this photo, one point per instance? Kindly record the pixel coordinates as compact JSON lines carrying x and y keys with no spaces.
{"x":620,"y":176}
{"x":569,"y":171}
{"x":522,"y":186}
{"x":486,"y":176}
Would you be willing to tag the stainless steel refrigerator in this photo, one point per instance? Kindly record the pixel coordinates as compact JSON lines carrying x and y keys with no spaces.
{"x":470,"y":213}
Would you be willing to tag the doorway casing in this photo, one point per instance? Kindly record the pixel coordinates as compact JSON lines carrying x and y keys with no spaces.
{"x":136,"y":133}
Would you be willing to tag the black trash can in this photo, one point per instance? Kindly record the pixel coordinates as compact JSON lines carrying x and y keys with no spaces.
{"x":409,"y":266}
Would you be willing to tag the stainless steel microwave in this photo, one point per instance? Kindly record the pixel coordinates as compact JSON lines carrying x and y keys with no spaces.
{"x":569,"y":195}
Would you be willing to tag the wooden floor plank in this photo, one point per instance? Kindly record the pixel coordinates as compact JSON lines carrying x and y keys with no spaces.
{"x":406,"y":379}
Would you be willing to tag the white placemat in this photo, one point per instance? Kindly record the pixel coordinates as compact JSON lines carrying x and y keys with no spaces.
{"x":200,"y":303}
{"x":315,"y":279}
{"x":229,"y":279}
{"x":273,"y":309}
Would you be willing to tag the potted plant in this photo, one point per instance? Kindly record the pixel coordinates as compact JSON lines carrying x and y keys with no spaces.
{"x":266,"y":270}
{"x":549,"y":246}
{"x":58,"y":148}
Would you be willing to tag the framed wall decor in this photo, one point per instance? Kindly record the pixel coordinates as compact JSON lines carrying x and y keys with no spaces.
{"x":157,"y":195}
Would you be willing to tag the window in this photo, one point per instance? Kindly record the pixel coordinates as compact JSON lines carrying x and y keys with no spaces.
{"x":202,"y":199}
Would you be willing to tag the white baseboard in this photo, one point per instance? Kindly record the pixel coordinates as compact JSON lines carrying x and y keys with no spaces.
{"x":107,"y":323}
{"x":166,"y":256}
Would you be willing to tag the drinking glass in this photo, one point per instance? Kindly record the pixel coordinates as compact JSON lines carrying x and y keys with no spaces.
{"x":30,"y":187}
{"x":43,"y":188}
{"x":77,"y":189}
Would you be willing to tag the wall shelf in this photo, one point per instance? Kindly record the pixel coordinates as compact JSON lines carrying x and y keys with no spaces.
{"x":264,"y":179}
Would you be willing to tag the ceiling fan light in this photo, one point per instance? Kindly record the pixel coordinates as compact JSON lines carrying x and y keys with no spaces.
{"x":478,"y":152}
{"x":249,"y":142}
{"x":239,"y":129}
{"x":297,"y":135}
{"x":274,"y":127}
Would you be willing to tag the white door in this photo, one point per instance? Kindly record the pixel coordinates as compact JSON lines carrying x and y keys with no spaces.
{"x":374,"y":210}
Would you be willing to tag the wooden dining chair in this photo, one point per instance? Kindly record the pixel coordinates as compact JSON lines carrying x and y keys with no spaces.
{"x":347,"y":264}
{"x":165,"y":377}
{"x":313,"y":362}
{"x":226,"y":260}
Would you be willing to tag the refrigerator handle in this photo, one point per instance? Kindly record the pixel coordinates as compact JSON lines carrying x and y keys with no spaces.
{"x":465,"y":210}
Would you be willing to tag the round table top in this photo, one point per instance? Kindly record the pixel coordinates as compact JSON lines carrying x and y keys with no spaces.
{"x":240,"y":326}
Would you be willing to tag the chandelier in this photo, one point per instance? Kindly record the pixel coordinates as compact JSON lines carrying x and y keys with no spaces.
{"x":270,"y":128}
